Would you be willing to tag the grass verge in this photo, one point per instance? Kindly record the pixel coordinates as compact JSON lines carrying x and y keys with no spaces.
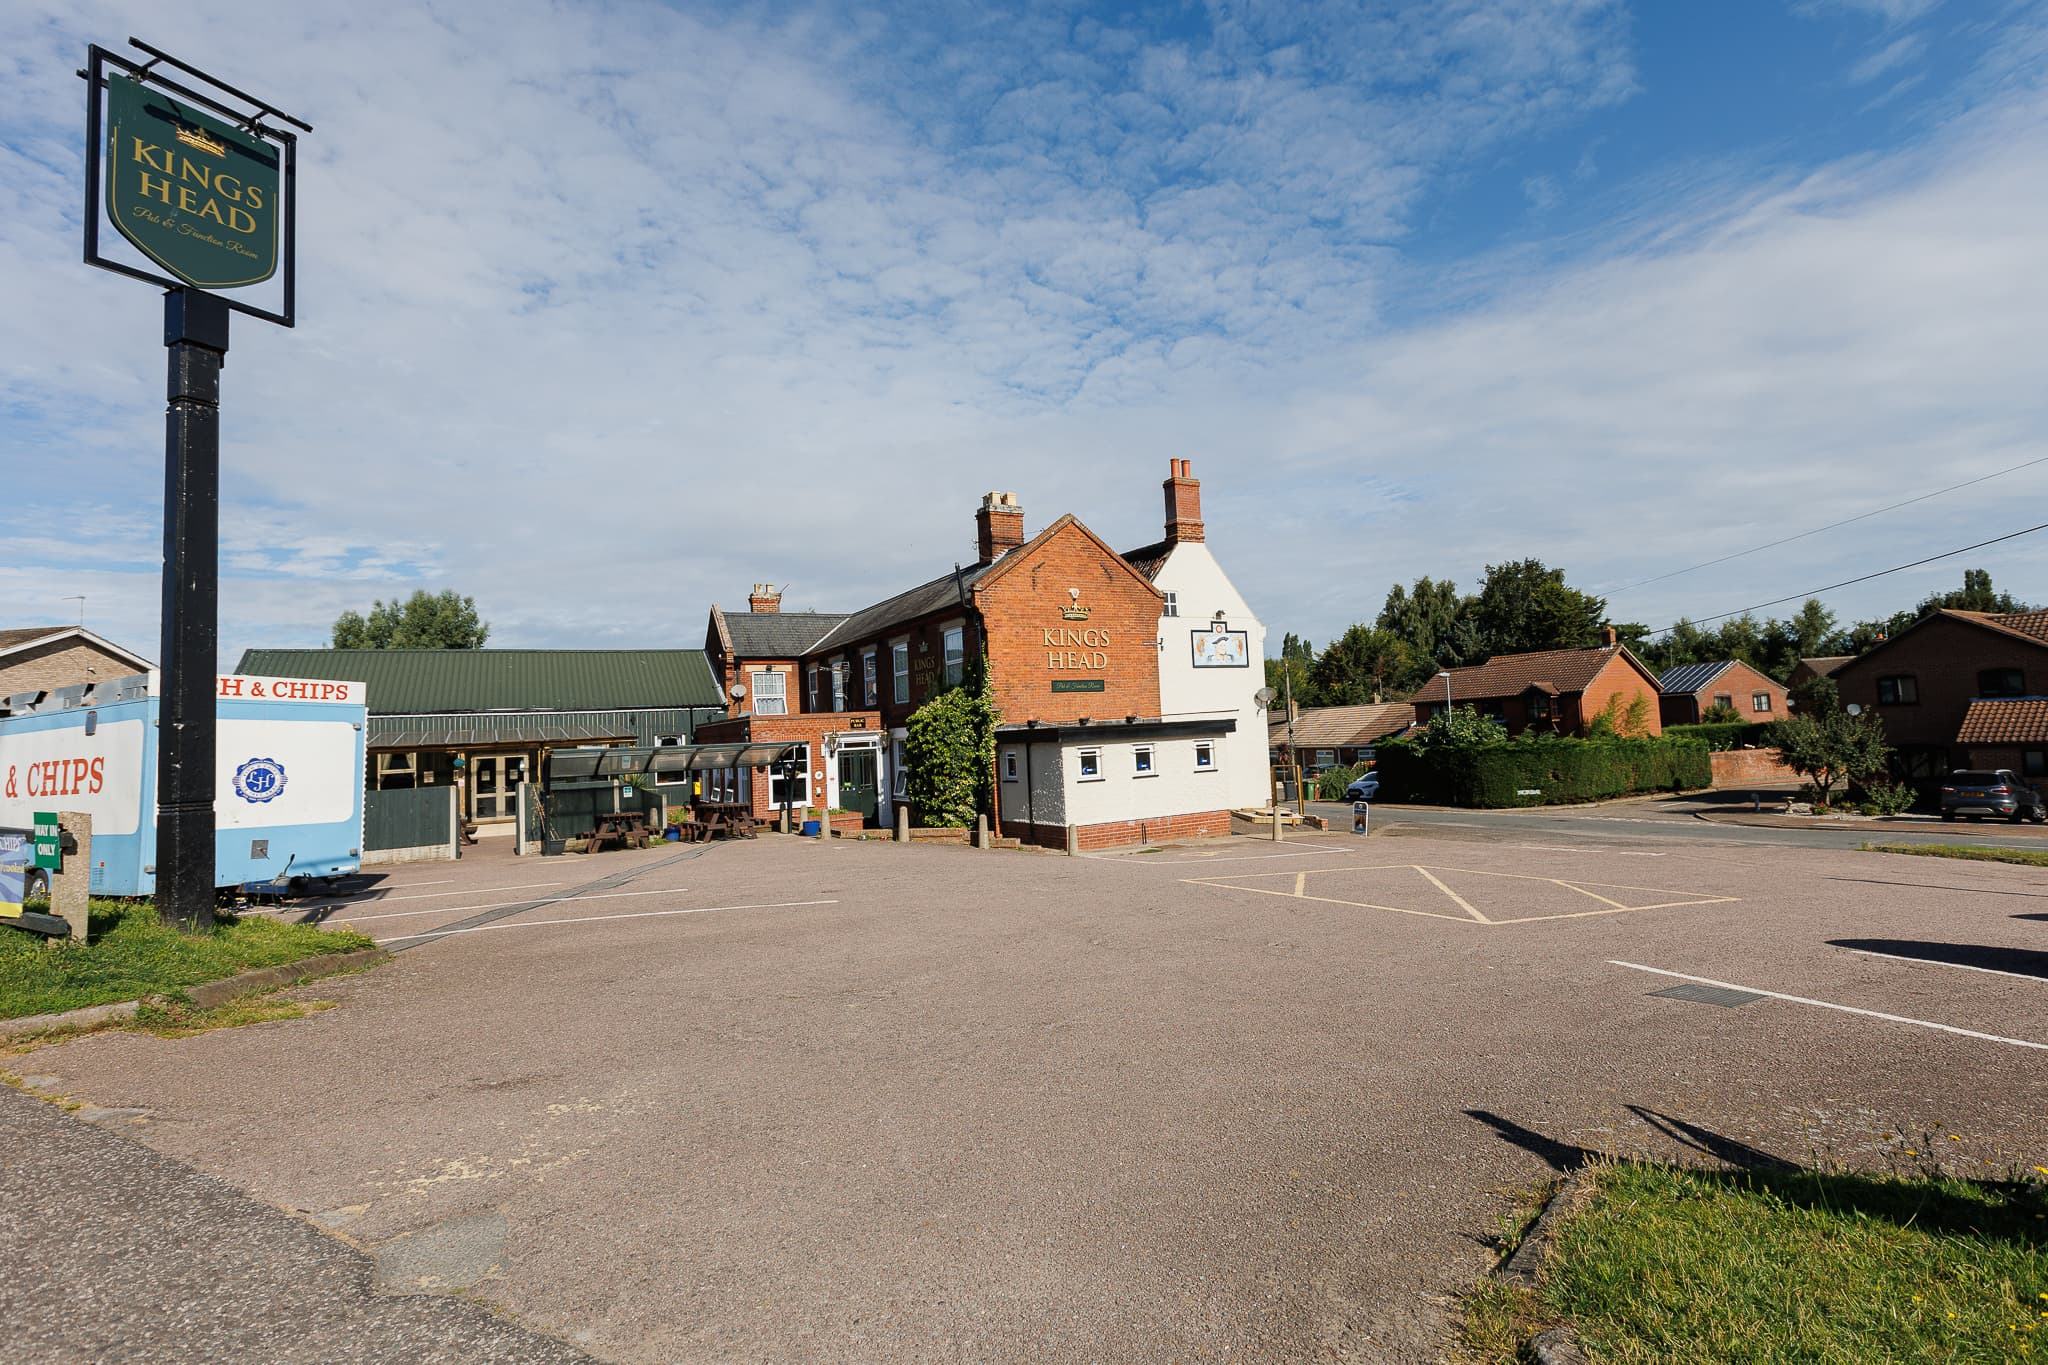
{"x":2025,"y":857}
{"x":1662,"y":1263}
{"x":130,"y":953}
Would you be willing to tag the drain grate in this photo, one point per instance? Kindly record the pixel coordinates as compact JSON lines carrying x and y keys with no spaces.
{"x":1723,"y":996}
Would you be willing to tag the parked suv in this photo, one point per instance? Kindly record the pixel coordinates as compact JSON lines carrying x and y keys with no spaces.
{"x":1978,"y":792}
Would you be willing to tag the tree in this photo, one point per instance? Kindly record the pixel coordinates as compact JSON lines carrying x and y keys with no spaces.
{"x":1426,"y":618}
{"x":1363,"y":665}
{"x":1977,"y":594}
{"x":1826,"y":745}
{"x":1460,"y":727}
{"x":1524,"y":606}
{"x":444,"y":620}
{"x":1299,"y":656}
{"x":949,"y":745}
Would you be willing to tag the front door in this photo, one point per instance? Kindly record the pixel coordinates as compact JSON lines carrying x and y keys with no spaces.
{"x":494,"y":785}
{"x":858,"y":788}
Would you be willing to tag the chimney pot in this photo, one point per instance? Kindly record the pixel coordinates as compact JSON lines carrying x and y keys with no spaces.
{"x":1612,"y":638}
{"x":1183,"y":503}
{"x":765,"y":600}
{"x":998,"y":526}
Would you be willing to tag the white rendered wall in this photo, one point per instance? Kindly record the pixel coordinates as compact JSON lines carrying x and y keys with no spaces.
{"x":1174,"y":787}
{"x":1201,"y":588}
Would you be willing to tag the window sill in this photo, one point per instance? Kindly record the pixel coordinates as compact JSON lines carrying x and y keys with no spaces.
{"x":1205,"y":770}
{"x":1091,"y":779}
{"x":1138,"y":775}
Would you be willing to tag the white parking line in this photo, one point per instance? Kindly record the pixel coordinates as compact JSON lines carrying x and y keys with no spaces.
{"x":1829,"y":1005}
{"x":1589,"y":848}
{"x":500,"y":905}
{"x":1936,"y":962}
{"x":592,"y":919}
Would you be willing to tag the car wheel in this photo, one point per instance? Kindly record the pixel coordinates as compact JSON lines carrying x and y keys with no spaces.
{"x":1976,"y":819}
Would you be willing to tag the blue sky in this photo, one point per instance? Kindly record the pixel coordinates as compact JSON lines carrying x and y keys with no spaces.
{"x":689,"y":297}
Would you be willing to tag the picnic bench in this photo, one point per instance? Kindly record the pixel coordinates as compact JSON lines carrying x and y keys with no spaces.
{"x":626,"y":828}
{"x":721,"y":820}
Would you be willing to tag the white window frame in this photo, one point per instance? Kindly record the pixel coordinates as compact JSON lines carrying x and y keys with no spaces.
{"x":899,"y":771}
{"x":1009,"y":765}
{"x":1760,"y":703}
{"x":778,"y":693}
{"x":1086,"y":759}
{"x":812,"y":690}
{"x":899,"y":667}
{"x":1205,"y":756}
{"x":867,"y":670}
{"x":839,"y":671}
{"x":1172,"y":606}
{"x":1144,"y":761}
{"x":800,"y":798}
{"x":953,"y":647}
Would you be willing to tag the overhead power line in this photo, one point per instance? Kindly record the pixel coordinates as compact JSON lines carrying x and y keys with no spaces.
{"x":1863,"y":578}
{"x":1861,"y":516}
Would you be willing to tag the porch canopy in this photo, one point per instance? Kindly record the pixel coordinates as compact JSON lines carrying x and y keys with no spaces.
{"x":599,"y":764}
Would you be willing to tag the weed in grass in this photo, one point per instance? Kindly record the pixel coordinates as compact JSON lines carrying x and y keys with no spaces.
{"x":176,"y":1019}
{"x":131,"y":953}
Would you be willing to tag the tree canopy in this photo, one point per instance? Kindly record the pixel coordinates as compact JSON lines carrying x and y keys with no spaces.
{"x":443,"y":620}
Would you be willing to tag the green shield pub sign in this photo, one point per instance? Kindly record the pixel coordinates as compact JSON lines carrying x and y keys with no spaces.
{"x":194,"y":194}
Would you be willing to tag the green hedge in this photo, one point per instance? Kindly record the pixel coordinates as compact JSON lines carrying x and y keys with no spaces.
{"x":1735,"y":735}
{"x":1561,"y":771}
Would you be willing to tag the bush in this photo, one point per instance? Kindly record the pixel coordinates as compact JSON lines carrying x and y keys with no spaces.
{"x":949,"y":746}
{"x":1543,"y":770}
{"x":1884,"y":797}
{"x":1721,"y":713}
{"x":1331,"y":782}
{"x":1720,"y":738}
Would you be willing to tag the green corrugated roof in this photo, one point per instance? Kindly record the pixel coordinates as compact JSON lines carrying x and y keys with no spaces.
{"x":421,"y":681}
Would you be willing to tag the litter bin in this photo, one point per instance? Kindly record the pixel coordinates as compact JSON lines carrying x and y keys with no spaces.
{"x":1361,"y":816}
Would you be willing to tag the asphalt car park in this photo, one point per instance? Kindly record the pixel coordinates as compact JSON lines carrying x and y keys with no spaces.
{"x":1239,"y":1100}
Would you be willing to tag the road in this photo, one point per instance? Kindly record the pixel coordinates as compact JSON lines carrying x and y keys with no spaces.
{"x":1675,"y":820}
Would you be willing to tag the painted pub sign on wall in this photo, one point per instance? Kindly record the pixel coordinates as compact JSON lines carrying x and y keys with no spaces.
{"x":195,"y":194}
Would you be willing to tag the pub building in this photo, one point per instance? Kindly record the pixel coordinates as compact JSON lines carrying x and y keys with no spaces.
{"x":1125,"y":683}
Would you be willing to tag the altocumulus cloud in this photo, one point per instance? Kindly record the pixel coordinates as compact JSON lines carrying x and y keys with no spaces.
{"x":691,"y":299}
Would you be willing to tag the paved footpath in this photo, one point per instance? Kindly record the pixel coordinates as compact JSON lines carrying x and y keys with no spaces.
{"x":114,"y":1252}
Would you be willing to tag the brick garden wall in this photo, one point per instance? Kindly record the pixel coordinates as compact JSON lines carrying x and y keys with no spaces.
{"x":1749,"y":767}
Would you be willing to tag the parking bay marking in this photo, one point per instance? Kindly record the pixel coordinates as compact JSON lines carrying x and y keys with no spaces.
{"x":594,"y":919}
{"x":1937,"y":962}
{"x":1830,"y":1005}
{"x":1299,"y":891}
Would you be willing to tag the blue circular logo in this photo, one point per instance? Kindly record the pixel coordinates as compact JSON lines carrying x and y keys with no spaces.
{"x":260,"y":780}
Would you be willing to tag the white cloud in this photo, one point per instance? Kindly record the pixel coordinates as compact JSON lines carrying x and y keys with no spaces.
{"x":1894,"y":54}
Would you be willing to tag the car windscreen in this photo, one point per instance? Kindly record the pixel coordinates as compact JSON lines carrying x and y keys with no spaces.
{"x":1974,"y":778}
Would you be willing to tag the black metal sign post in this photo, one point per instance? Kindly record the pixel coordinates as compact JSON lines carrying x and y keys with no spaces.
{"x":206,"y":198}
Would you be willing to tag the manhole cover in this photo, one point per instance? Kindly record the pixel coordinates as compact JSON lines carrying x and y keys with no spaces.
{"x":1723,"y":996}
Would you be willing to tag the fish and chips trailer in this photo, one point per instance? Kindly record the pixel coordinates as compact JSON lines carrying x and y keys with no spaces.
{"x":288,"y":777}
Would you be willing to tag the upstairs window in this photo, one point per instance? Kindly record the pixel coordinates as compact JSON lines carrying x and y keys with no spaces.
{"x":811,"y":689}
{"x":838,"y":685}
{"x":771,"y":693}
{"x":867,"y":672}
{"x":1899,"y":690}
{"x":2001,"y":682}
{"x":1172,"y":607}
{"x":956,"y":656}
{"x":899,"y":667}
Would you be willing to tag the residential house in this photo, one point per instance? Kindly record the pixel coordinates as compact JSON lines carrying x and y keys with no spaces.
{"x":1552,"y":690}
{"x":1689,"y":691}
{"x":1334,"y":736}
{"x":1925,"y":682}
{"x":2006,"y":732}
{"x":45,"y":658}
{"x":1820,"y":666}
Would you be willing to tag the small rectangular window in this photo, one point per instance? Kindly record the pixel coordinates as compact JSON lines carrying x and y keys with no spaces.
{"x":1172,"y":607}
{"x":1205,"y":754}
{"x":1724,"y":699}
{"x":811,"y":690}
{"x":956,"y":656}
{"x":838,"y":685}
{"x":771,"y":693}
{"x":1901,"y":690}
{"x":1141,"y":759}
{"x":1091,"y":764}
{"x":2001,"y":682}
{"x":1326,"y":758}
{"x":899,"y":665}
{"x":2034,"y":763}
{"x":899,"y":770}
{"x":1010,"y":766}
{"x":867,"y":670}
{"x":1760,"y":701}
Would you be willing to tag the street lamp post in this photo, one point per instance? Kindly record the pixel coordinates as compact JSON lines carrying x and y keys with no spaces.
{"x":1446,"y":676}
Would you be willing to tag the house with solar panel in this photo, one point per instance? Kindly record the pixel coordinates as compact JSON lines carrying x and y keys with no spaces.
{"x":1687,"y":692}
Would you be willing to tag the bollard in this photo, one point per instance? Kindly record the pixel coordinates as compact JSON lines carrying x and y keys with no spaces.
{"x":782,"y":820}
{"x":71,"y":884}
{"x":1276,"y":822}
{"x":902,"y":824}
{"x":1073,"y":841}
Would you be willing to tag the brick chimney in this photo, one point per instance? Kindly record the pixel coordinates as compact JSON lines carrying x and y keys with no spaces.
{"x":998,"y":526}
{"x":1183,"y":503}
{"x":766,"y":600}
{"x":1611,"y":637}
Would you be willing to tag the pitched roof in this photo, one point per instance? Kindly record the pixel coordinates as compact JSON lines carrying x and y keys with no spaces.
{"x":430,"y":681}
{"x":1823,"y":665}
{"x":1510,"y":675}
{"x":23,"y":637}
{"x":2007,"y":720}
{"x":942,"y":592}
{"x":777,"y":634}
{"x":1148,"y":559}
{"x":2028,"y":625}
{"x":1687,"y":678}
{"x":1333,"y":726}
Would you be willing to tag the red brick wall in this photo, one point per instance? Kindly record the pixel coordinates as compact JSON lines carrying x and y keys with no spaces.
{"x":1030,"y":644}
{"x":1618,"y":680}
{"x":1746,"y":767}
{"x":810,"y":729}
{"x":1210,"y":824}
{"x":1943,"y":656}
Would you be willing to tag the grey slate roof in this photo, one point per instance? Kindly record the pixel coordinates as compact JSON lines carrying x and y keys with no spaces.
{"x":942,"y":592}
{"x":778,"y":634}
{"x":428,"y":681}
{"x":1689,"y":678}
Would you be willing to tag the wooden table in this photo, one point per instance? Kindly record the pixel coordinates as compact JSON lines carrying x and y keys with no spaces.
{"x":626,"y":828}
{"x":723,"y":820}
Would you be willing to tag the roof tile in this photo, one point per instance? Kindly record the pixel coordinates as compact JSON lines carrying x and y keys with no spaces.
{"x":2007,"y":720}
{"x":1510,"y":675}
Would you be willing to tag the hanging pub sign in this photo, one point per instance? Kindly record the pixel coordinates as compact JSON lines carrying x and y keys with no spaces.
{"x":195,"y":194}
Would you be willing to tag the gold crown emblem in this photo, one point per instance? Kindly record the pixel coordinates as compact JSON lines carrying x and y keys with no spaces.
{"x":196,"y":137}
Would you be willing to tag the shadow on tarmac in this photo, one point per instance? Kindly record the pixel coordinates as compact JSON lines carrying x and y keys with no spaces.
{"x":2018,"y":961}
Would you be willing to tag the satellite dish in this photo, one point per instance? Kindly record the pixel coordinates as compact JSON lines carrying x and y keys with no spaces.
{"x":738,"y":692}
{"x":1854,"y":708}
{"x":1264,"y":696}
